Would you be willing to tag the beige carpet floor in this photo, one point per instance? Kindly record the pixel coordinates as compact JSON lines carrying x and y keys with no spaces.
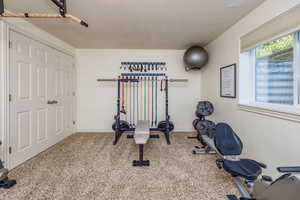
{"x":88,"y":166}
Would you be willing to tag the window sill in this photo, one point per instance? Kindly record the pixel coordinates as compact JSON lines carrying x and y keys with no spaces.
{"x":290,"y":113}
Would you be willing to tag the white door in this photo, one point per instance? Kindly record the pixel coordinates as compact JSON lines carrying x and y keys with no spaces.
{"x":63,"y":96}
{"x":36,"y":81}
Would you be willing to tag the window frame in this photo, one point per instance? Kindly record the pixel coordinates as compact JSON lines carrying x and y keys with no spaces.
{"x":248,"y":102}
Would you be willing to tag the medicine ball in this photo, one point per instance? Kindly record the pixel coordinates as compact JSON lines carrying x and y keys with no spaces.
{"x":195,"y":58}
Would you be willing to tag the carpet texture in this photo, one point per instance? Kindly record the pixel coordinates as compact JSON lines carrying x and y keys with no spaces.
{"x":88,"y":166}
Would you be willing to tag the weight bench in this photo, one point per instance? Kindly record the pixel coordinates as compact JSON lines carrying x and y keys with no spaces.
{"x":141,"y":136}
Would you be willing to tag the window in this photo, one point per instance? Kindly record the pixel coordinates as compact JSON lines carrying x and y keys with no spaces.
{"x":269,"y":75}
{"x":274,"y":74}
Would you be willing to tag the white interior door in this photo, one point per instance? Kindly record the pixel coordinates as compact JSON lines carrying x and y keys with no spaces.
{"x":39,"y":76}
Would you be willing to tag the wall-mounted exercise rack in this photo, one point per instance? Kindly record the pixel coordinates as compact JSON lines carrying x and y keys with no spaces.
{"x":143,"y":74}
{"x":143,"y":66}
{"x":137,"y":99}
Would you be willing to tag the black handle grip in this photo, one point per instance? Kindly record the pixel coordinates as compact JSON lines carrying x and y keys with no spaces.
{"x":83,"y":23}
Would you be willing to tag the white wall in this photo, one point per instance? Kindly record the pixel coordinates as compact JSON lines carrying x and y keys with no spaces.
{"x":37,"y":34}
{"x":96,"y":102}
{"x":266,"y":139}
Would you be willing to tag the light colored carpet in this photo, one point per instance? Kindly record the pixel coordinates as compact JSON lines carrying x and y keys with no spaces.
{"x":88,"y":166}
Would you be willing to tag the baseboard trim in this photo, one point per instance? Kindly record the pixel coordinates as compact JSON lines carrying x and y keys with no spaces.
{"x":111,"y":132}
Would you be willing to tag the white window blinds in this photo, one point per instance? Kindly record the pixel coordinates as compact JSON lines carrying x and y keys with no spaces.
{"x":283,"y":24}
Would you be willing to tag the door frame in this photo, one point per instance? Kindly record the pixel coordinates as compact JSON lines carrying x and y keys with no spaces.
{"x":5,"y":28}
{"x":4,"y":84}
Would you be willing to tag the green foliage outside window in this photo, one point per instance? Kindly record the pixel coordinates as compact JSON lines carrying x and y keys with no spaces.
{"x":276,"y":50}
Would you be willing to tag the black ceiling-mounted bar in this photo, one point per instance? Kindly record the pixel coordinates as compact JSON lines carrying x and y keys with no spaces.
{"x":1,"y":7}
{"x":61,"y":4}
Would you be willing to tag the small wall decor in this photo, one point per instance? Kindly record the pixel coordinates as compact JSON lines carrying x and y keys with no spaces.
{"x":228,"y":81}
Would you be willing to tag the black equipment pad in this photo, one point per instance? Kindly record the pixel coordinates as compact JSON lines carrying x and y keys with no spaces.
{"x":289,"y":169}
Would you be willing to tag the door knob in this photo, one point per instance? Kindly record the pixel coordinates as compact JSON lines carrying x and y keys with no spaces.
{"x":50,"y":102}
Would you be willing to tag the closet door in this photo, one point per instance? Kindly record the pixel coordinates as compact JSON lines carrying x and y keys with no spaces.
{"x":29,"y":111}
{"x":41,"y":97}
{"x":68,"y":96}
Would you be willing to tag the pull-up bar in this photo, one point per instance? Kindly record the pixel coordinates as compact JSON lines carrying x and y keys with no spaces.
{"x":61,"y":4}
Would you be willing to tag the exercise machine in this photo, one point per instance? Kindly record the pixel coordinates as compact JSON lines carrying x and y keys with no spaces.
{"x":204,"y":127}
{"x":61,"y":4}
{"x":141,"y":135}
{"x":4,"y":181}
{"x":246,"y":172}
{"x":144,"y":127}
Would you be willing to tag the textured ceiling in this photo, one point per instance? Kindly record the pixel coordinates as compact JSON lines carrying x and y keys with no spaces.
{"x":138,"y":24}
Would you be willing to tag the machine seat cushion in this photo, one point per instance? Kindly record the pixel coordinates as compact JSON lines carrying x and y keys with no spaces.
{"x":245,"y":168}
{"x":226,"y":140}
{"x":142,"y":132}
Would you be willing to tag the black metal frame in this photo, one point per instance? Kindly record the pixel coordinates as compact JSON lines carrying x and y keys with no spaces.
{"x":1,"y":7}
{"x":141,"y":162}
{"x":62,"y":5}
{"x":118,"y":132}
{"x":222,"y":68}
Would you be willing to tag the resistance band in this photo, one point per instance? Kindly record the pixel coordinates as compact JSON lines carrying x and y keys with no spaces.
{"x":129,"y":103}
{"x":155,"y":101}
{"x":137,"y":98}
{"x":149,"y":99}
{"x":161,"y":85}
{"x":145,"y":99}
{"x":142,"y":100}
{"x":126,"y":96}
{"x":152,"y":121}
{"x":133,"y":106}
{"x":123,"y":95}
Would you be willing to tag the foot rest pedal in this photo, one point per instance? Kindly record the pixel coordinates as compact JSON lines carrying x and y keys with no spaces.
{"x":232,"y":197}
{"x":141,"y":163}
{"x":6,"y":184}
{"x":192,"y":137}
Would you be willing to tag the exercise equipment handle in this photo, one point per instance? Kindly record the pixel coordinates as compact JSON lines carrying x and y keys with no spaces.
{"x":178,"y":80}
{"x":107,"y":80}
